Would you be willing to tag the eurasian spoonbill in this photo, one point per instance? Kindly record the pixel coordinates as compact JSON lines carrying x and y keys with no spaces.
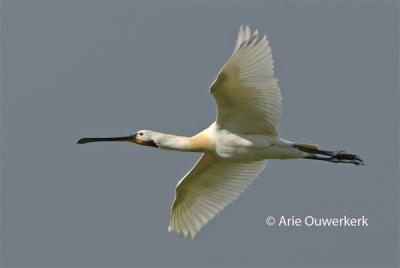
{"x":237,"y":145}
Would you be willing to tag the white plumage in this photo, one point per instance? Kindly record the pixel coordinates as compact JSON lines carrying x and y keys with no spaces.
{"x":235,"y":147}
{"x":248,"y":101}
{"x":246,"y":92}
{"x":210,"y":186}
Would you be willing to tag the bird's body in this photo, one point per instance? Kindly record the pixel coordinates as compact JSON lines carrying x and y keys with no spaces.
{"x":238,"y":144}
{"x":230,"y":145}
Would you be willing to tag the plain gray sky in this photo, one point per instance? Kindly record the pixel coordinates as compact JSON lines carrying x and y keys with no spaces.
{"x":104,"y":68}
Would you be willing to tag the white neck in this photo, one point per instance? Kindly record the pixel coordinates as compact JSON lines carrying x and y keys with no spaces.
{"x":198,"y":143}
{"x":172,"y":142}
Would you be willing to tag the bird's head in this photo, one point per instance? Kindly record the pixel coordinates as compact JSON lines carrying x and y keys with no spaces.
{"x":141,"y":137}
{"x":145,"y":137}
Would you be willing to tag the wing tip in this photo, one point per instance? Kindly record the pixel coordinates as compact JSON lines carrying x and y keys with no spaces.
{"x":180,"y":223}
{"x":247,"y":37}
{"x":184,"y":234}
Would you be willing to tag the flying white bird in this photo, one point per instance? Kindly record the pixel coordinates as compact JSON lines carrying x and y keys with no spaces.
{"x":237,"y":145}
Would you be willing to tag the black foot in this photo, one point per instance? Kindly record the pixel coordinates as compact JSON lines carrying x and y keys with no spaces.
{"x":343,"y":157}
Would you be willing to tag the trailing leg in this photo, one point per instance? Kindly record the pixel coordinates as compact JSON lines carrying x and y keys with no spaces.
{"x":332,"y":156}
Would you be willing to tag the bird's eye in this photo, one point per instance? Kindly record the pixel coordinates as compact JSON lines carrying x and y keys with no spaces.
{"x":140,"y":133}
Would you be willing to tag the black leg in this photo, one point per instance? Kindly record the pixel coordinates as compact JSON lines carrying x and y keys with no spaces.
{"x":335,"y":156}
{"x":314,"y":150}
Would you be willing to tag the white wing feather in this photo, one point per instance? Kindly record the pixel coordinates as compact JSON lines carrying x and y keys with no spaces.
{"x":209,"y":186}
{"x":246,"y":92}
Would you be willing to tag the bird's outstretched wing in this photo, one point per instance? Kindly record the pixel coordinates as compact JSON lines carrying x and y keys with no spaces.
{"x":208,"y":187}
{"x":246,"y":92}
